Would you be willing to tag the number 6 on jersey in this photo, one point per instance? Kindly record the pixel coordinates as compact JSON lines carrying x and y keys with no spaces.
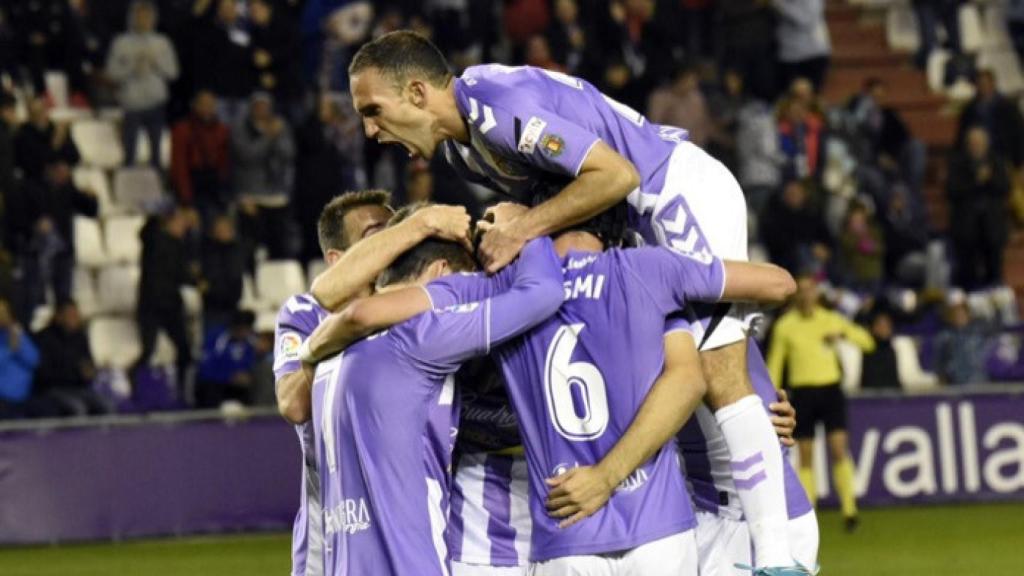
{"x":562,"y":377}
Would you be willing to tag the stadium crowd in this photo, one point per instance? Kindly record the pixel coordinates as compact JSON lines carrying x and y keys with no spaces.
{"x":254,"y":96}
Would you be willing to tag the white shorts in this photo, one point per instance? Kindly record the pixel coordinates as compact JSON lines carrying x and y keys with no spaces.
{"x":702,"y":209}
{"x":723,"y":542}
{"x":462,"y":569}
{"x":674,"y":555}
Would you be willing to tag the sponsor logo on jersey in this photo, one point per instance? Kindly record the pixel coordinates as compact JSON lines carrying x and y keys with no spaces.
{"x":553,"y":145}
{"x":288,"y":346}
{"x":531,"y":135}
{"x":349,"y":517}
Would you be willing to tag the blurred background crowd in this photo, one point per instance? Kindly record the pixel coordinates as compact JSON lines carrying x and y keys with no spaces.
{"x":163,"y":164}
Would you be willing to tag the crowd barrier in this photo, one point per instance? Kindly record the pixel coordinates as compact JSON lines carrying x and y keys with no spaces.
{"x":187,"y":473}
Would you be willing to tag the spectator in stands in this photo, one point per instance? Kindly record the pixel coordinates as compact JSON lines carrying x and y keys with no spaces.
{"x":682,"y":104}
{"x":66,"y":370}
{"x":263,"y":387}
{"x":635,"y":51}
{"x":8,"y":127}
{"x":889,"y":155}
{"x":759,"y":156}
{"x":200,"y":153}
{"x":40,"y":142}
{"x":42,"y":220}
{"x":929,"y":13}
{"x":142,"y":62}
{"x":747,"y":38}
{"x":1015,"y":25}
{"x":222,"y":61}
{"x":801,"y":138}
{"x":263,"y":152}
{"x":906,"y":238}
{"x":978,"y":188}
{"x":567,"y":37}
{"x":10,"y":61}
{"x":223,"y":264}
{"x":804,"y":45}
{"x":48,"y":43}
{"x":879,"y":370}
{"x":329,"y":159}
{"x":276,"y":53}
{"x":998,"y":115}
{"x":165,"y":269}
{"x":794,"y":231}
{"x":961,"y":346}
{"x":803,"y":345}
{"x":538,"y":53}
{"x":226,"y":369}
{"x":18,"y":360}
{"x":861,"y":250}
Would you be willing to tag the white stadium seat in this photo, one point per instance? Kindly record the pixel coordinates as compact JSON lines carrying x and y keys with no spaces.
{"x":315,"y":268}
{"x":851,"y":359}
{"x":137,"y":188}
{"x":118,"y":288}
{"x":249,"y":299}
{"x":276,"y":280}
{"x":901,"y":28}
{"x":142,"y":149}
{"x":95,"y":180}
{"x":972,"y":35}
{"x":936,"y":70}
{"x":83,"y":291}
{"x":121,"y":234}
{"x":89,"y":249}
{"x":908,"y":365}
{"x":98,"y":142}
{"x":266,"y":321}
{"x":114,"y":341}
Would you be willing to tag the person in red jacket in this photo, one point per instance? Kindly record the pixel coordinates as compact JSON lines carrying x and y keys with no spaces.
{"x":199,"y":157}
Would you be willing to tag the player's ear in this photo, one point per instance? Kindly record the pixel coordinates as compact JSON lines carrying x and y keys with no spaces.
{"x":417,"y":91}
{"x":437,"y":269}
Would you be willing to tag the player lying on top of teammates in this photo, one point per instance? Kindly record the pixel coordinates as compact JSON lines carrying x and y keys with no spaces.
{"x":344,"y":227}
{"x":518,"y":128}
{"x":385,"y":411}
{"x":672,"y":406}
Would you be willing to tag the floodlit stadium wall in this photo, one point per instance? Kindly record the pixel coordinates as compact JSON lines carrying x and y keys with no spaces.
{"x":176,"y":474}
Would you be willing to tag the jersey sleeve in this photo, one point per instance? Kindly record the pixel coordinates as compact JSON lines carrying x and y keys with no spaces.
{"x":680,"y":321}
{"x":296,"y":320}
{"x":464,"y":288}
{"x":672,"y":279}
{"x":443,"y":339}
{"x":527,"y":131}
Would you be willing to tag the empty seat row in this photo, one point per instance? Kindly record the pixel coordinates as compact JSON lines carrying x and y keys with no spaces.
{"x":114,"y":342}
{"x":99,"y":142}
{"x":116,"y":241}
{"x":136,"y":189}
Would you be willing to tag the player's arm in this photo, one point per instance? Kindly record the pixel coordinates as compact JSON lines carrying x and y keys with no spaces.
{"x":291,"y":382}
{"x":761,"y":283}
{"x":676,"y":393}
{"x":854,"y":333}
{"x":362,"y":318}
{"x":604,"y":179}
{"x":366,"y":259}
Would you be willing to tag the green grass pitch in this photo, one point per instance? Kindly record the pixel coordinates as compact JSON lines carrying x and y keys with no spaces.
{"x":962,"y":541}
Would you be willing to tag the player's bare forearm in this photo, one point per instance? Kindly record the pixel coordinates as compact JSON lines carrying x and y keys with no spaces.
{"x":761,"y":283}
{"x":294,"y":400}
{"x":605,"y":179}
{"x":676,"y":393}
{"x":362,"y":318}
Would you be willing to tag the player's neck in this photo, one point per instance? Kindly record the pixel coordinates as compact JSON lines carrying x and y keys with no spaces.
{"x":577,"y":242}
{"x":450,"y":123}
{"x":398,"y":286}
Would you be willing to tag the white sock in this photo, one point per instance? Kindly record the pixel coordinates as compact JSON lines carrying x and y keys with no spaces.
{"x":756,"y":462}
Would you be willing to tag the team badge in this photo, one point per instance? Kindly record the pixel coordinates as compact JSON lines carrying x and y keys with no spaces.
{"x":290,"y":344}
{"x":552,"y":145}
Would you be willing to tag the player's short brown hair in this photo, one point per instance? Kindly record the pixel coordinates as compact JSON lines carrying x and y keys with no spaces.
{"x":412,"y":263}
{"x":331,"y":226}
{"x":400,"y":54}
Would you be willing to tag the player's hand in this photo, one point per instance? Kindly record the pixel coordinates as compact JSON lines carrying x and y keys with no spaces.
{"x":446,"y":222}
{"x":504,"y":212}
{"x":500,"y":245}
{"x":578,"y":493}
{"x":783,"y":418}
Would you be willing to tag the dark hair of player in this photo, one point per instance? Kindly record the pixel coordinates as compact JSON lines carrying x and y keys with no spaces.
{"x":415,"y":260}
{"x":401,"y":54}
{"x":331,"y":226}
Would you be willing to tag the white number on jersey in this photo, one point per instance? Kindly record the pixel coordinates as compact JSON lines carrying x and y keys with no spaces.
{"x":561,"y":376}
{"x":325,"y":376}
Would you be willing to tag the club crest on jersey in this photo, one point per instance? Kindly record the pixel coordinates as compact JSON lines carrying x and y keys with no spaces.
{"x":553,"y":145}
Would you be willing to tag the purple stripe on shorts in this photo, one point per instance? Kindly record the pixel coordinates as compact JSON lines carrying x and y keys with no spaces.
{"x":749,"y":483}
{"x":498,"y":503}
{"x":456,"y":526}
{"x":741,"y":465}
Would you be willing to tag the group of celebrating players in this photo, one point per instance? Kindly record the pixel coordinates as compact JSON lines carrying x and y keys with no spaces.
{"x":581,"y":405}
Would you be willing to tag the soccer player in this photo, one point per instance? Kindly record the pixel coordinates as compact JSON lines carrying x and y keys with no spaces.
{"x":344,"y":223}
{"x":384,"y":409}
{"x":520,"y":129}
{"x":613,"y":439}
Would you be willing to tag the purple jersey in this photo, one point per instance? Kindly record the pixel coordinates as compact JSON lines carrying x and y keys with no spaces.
{"x":296,"y":320}
{"x":384,"y":415}
{"x":609,"y":330}
{"x":705,"y":457}
{"x":528,"y":124}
